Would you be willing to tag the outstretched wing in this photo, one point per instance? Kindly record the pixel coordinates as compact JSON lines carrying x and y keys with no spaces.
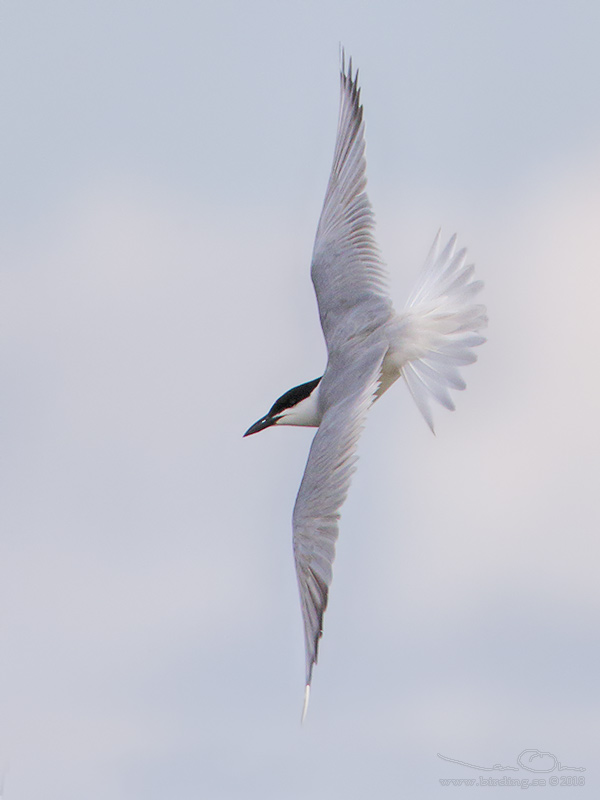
{"x":348,"y":275}
{"x":325,"y":485}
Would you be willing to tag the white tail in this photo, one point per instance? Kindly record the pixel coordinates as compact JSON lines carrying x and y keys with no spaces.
{"x":439,"y":328}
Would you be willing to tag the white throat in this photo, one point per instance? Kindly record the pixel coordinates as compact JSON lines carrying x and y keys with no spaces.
{"x":306,"y":413}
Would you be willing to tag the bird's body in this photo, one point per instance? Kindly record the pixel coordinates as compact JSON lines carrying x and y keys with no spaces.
{"x":369,"y":346}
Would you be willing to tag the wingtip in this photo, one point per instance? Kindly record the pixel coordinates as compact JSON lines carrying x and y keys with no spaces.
{"x":306,"y":699}
{"x":346,"y":68}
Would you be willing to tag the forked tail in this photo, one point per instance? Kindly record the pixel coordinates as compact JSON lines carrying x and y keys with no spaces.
{"x":439,"y":327}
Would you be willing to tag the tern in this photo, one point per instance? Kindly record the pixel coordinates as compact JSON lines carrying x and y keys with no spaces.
{"x":369,"y":346}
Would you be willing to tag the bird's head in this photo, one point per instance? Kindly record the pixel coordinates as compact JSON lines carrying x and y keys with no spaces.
{"x":299,"y":406}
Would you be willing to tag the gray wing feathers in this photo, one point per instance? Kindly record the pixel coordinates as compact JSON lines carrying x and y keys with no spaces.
{"x":346,"y":268}
{"x":324,"y":487}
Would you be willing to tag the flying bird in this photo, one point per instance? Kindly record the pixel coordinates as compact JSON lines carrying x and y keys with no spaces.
{"x":369,"y":346}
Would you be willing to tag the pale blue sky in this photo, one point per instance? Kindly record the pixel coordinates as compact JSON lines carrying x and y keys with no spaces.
{"x":163,"y":169}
